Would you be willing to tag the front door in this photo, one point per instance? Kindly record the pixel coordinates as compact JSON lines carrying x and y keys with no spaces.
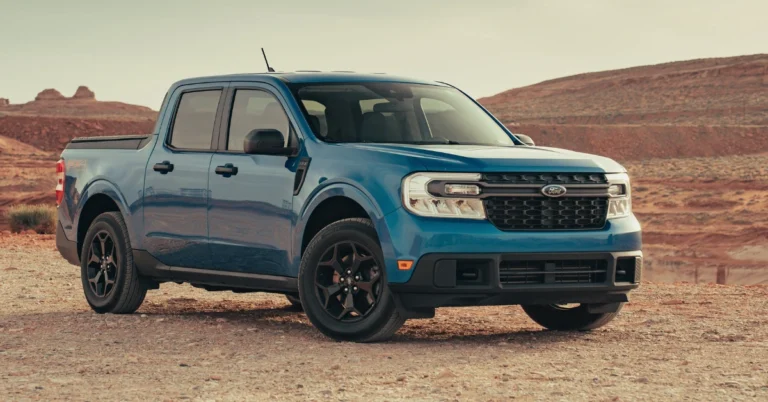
{"x":176,"y":182}
{"x":251,"y":196}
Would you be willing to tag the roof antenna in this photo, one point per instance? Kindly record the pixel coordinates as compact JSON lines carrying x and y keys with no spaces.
{"x":270,"y":69}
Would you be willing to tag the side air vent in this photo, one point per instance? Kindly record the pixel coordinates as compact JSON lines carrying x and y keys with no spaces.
{"x":301,"y":174}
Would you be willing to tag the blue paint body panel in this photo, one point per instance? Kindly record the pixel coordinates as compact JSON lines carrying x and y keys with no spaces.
{"x":252,"y":222}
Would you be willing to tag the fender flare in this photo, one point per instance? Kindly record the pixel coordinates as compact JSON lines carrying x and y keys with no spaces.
{"x":101,"y":186}
{"x":353,"y":192}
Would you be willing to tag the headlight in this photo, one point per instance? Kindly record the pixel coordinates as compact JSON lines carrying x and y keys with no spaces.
{"x":620,"y":202}
{"x":451,"y":195}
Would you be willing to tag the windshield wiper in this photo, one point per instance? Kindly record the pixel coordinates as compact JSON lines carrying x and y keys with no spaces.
{"x":445,"y":142}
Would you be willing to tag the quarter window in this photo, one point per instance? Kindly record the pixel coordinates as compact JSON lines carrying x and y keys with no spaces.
{"x":195,"y":116}
{"x":255,"y":110}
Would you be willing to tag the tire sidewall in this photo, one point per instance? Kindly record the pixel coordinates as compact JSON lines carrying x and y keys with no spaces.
{"x":385,"y":305}
{"x":106,"y":223}
{"x":575,"y":319}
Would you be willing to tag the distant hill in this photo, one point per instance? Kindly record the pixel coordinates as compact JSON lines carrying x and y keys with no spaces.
{"x":83,"y":105}
{"x":719,"y":91}
{"x":706,"y":107}
{"x":51,"y":120}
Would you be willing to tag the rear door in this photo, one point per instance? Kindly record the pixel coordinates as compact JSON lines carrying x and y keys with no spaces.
{"x":176,"y":182}
{"x":250,"y":217}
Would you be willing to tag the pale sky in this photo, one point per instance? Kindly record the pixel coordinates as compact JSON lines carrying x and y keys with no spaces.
{"x":131,"y":51}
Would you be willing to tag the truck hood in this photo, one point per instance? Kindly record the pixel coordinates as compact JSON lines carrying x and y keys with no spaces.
{"x":480,"y":158}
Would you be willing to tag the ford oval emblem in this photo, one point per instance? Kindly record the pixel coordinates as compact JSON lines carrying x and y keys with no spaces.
{"x":553,"y":190}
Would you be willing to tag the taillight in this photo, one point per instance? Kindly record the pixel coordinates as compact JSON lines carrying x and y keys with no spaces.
{"x":60,"y":168}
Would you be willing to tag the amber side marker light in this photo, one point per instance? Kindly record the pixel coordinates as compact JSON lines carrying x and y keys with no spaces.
{"x":404,"y":265}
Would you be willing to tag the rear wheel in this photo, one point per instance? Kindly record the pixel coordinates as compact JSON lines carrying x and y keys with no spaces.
{"x":566,"y":317}
{"x":110,"y":280}
{"x":342,"y":283}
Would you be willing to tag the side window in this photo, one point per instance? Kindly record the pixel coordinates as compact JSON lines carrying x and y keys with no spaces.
{"x":252,"y":110}
{"x":429,"y":105}
{"x":442,"y":119}
{"x":195,"y":116}
{"x":366,"y":105}
{"x":317,"y":121}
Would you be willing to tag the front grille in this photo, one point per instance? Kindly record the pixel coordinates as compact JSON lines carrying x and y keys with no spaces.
{"x":544,"y":178}
{"x":540,"y":213}
{"x":527,"y":272}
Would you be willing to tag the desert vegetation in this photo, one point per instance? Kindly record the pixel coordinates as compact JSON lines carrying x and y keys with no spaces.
{"x":39,"y":218}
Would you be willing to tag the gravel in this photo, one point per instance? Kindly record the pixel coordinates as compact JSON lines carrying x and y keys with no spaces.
{"x":672,"y":342}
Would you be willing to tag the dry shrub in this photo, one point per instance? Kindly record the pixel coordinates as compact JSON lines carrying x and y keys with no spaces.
{"x":40,"y":218}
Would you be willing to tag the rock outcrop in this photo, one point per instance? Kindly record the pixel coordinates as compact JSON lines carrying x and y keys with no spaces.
{"x":49,"y":94}
{"x":4,"y":102}
{"x":84,"y":93}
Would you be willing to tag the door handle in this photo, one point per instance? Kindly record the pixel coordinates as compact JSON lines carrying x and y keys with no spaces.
{"x":163,"y":167}
{"x":226,"y":170}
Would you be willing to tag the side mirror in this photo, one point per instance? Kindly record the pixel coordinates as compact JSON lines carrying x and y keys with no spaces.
{"x":525,"y":139}
{"x":266,"y":142}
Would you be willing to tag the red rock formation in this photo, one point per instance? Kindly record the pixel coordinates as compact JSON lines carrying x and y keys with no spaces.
{"x":4,"y":102}
{"x":720,"y":91}
{"x":84,"y":93}
{"x":49,"y":94}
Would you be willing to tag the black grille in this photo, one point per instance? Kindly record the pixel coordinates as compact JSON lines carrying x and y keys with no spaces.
{"x":540,"y":213}
{"x":526,"y":272}
{"x":544,"y":178}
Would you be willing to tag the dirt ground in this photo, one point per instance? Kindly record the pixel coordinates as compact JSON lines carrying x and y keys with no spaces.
{"x":672,"y":342}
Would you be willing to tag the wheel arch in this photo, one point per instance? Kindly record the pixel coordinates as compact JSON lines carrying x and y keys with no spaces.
{"x":333,"y":203}
{"x":99,"y":197}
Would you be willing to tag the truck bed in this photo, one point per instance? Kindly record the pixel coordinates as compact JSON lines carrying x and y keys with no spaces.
{"x":110,"y":142}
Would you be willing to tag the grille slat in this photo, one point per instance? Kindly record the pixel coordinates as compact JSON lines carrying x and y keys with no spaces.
{"x":543,"y":213}
{"x":544,"y":178}
{"x":525,"y":272}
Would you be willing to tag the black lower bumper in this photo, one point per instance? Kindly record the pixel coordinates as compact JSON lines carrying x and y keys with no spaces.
{"x":523,"y":278}
{"x":67,"y":248}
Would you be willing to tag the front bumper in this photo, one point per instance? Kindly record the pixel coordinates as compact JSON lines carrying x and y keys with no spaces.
{"x":411,"y":237}
{"x":521,"y":278}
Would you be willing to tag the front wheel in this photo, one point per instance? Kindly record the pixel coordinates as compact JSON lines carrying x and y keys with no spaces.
{"x":343,"y":284}
{"x":561,"y":317}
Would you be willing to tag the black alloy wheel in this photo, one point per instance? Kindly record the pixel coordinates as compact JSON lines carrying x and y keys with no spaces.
{"x":348,"y":281}
{"x":343,"y":284}
{"x":103,"y":259}
{"x":568,"y":317}
{"x":111,"y":281}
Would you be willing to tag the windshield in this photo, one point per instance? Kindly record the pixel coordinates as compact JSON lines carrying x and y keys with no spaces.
{"x":397,"y":113}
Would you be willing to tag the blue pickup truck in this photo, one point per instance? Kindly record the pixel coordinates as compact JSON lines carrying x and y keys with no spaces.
{"x":365,"y":199}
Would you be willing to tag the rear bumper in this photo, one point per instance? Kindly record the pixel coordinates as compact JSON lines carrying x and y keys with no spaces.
{"x":66,"y":247}
{"x":442,"y":279}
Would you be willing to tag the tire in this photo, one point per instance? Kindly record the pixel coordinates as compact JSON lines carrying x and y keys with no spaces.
{"x":295,"y":301}
{"x":568,"y":319}
{"x":127,"y":290}
{"x":381,"y":319}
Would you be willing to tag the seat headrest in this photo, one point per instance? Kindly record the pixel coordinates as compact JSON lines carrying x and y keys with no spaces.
{"x":375,"y":128}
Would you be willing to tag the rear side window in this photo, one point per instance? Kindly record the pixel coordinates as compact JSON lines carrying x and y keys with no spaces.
{"x":195,"y":116}
{"x":252,"y":110}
